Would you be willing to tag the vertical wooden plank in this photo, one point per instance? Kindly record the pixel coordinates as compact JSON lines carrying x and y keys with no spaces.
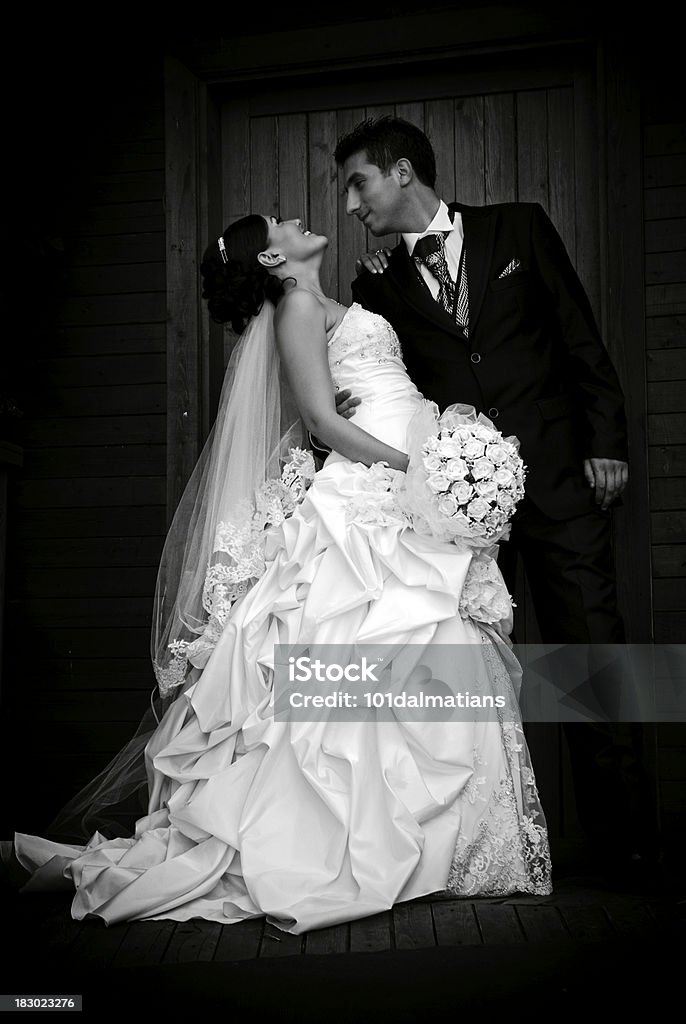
{"x":532,"y":187}
{"x":440,"y":127}
{"x":324,"y":192}
{"x":562,"y":202}
{"x":351,"y":233}
{"x":380,"y":241}
{"x":625,"y":333}
{"x":499,"y":146}
{"x":278,"y":943}
{"x":293,"y":176}
{"x":240,"y":941}
{"x":413,"y":926}
{"x":499,"y":924}
{"x":210,"y":223}
{"x":412,"y":112}
{"x":145,"y":943}
{"x":264,"y":169}
{"x":235,"y":145}
{"x":456,"y":924}
{"x":371,"y":934}
{"x":470,"y":157}
{"x":532,"y":147}
{"x":587,"y":182}
{"x":236,"y":203}
{"x":192,"y":941}
{"x":326,"y":941}
{"x":469,"y":151}
{"x":542,"y":924}
{"x":561,"y":166}
{"x":183,"y":341}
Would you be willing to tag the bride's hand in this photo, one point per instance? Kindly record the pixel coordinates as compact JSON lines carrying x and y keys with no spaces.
{"x":345,"y":403}
{"x":375,"y":262}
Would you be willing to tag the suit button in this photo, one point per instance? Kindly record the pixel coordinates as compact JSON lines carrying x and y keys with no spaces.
{"x":475,"y":357}
{"x":493,"y":412}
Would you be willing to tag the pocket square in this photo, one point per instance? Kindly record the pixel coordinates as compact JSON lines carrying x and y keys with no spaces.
{"x":510,"y":268}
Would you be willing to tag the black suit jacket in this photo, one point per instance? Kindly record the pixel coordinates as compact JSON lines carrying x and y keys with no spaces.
{"x":534,"y":361}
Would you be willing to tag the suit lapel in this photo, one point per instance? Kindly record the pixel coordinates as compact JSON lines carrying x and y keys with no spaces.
{"x":478,"y":223}
{"x":416,"y":293}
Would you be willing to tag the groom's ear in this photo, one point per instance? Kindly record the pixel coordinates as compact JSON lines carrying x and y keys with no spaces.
{"x":270,"y":259}
{"x":405,"y":171}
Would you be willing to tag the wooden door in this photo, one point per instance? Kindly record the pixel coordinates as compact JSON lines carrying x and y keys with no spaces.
{"x":503,"y":130}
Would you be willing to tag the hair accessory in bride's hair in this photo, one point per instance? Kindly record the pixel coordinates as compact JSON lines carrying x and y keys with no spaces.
{"x":222,"y":248}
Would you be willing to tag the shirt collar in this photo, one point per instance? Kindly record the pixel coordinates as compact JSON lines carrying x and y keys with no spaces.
{"x":441,"y":222}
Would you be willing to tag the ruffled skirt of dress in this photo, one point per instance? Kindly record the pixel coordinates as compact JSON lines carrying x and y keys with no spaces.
{"x":315,"y":823}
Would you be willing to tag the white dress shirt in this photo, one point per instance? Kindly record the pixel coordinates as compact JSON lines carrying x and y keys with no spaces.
{"x":453,"y":245}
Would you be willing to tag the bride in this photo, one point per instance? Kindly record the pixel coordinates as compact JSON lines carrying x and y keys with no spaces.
{"x":315,"y":822}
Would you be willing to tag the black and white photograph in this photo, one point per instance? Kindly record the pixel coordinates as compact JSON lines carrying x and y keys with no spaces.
{"x":343,"y":512}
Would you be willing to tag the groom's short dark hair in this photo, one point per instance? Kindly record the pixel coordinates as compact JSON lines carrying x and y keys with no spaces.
{"x":386,"y":140}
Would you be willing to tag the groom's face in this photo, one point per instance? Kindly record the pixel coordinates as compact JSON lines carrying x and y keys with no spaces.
{"x":372,"y":195}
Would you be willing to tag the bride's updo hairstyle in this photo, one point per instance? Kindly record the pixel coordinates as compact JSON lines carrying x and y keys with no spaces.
{"x":234,"y":283}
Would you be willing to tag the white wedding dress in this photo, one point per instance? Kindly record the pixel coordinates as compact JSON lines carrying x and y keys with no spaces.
{"x":315,"y":823}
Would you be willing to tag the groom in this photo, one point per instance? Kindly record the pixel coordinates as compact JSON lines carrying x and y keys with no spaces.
{"x":490,"y":312}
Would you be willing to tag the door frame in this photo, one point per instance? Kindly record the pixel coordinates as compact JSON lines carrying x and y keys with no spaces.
{"x":193,"y":200}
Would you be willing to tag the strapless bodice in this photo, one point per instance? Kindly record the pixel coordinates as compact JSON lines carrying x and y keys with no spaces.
{"x":365,"y":356}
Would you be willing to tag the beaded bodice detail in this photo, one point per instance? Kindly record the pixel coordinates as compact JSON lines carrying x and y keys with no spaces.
{"x":362,"y":338}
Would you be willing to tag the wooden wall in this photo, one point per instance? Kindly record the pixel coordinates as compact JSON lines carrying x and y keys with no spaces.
{"x":87,"y":510}
{"x":665,"y":254}
{"x":87,"y":514}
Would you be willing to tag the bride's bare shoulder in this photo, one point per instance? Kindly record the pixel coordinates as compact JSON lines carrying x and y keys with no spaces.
{"x":300,"y":304}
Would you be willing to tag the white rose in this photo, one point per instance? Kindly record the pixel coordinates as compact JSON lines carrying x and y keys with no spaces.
{"x":483,"y":469}
{"x":504,"y":501}
{"x":504,"y":477}
{"x":477,"y":508}
{"x":496,"y":453}
{"x":447,"y":505}
{"x":438,"y":482}
{"x":449,"y":447}
{"x":462,"y":491}
{"x":431,"y":463}
{"x":457,"y":469}
{"x":482,"y":432}
{"x":473,"y":448}
{"x":486,"y":489}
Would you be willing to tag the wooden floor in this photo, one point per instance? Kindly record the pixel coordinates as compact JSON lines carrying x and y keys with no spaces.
{"x":436,"y":934}
{"x":484,"y":934}
{"x":573,"y":916}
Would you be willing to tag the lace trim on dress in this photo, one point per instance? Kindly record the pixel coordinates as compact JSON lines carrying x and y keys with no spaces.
{"x":485,"y":597}
{"x":238,"y":562}
{"x":509,"y":850}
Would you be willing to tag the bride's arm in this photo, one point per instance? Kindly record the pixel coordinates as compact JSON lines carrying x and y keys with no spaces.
{"x":301,"y":340}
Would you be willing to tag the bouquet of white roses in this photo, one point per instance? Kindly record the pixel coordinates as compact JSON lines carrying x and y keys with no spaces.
{"x":464,"y":478}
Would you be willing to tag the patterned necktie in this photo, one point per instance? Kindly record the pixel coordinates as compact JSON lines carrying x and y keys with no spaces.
{"x":430,"y":250}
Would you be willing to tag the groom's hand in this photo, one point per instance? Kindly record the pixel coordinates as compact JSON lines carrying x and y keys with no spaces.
{"x":345,"y":403}
{"x":375,"y":262}
{"x":609,"y":477}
